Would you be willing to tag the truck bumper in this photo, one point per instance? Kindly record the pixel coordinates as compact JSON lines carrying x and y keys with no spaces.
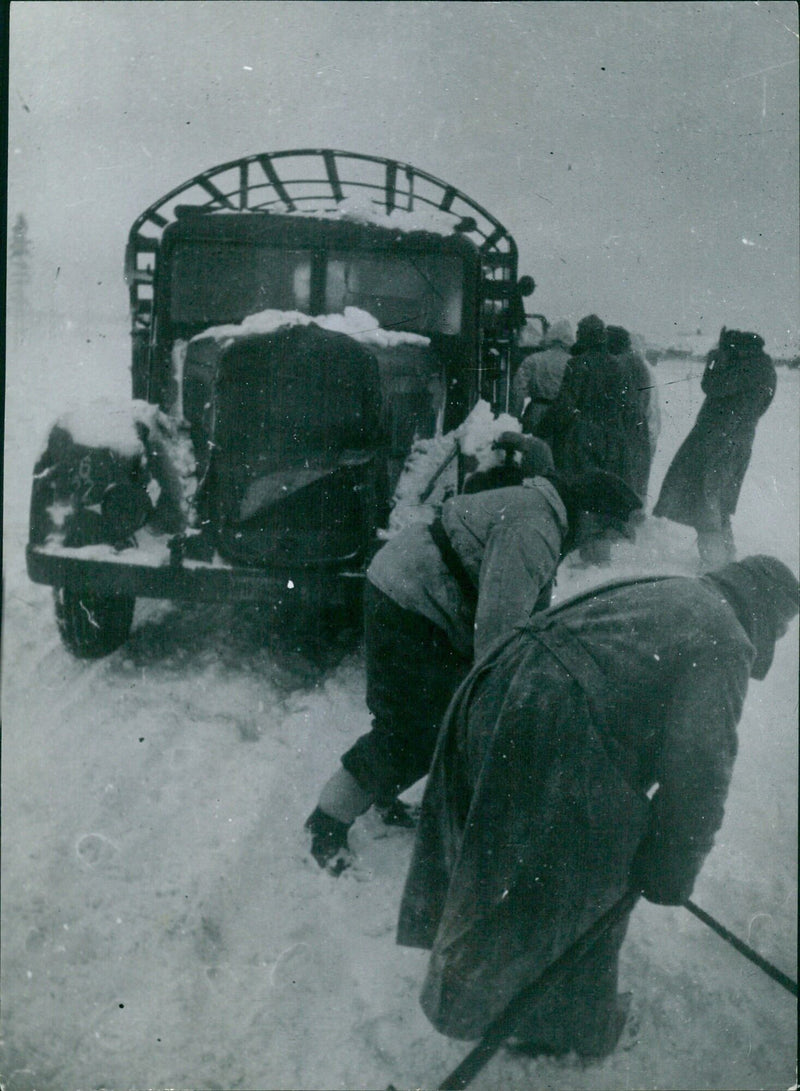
{"x":214,"y":581}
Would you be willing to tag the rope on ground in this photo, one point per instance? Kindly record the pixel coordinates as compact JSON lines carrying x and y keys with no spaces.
{"x":743,"y":948}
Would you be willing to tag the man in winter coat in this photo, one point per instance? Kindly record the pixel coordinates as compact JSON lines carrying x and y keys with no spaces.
{"x":591,"y":424}
{"x":702,"y":485}
{"x":573,"y":426}
{"x":434,"y":598}
{"x":638,"y":397}
{"x":536,"y":817}
{"x":538,"y":378}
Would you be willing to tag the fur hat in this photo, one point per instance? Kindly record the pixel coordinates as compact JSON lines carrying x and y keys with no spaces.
{"x":536,"y":461}
{"x":740,"y":342}
{"x":601,"y":493}
{"x":537,"y":458}
{"x":763,"y":594}
{"x":591,"y":335}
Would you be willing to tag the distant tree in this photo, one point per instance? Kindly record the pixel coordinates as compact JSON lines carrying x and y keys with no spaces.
{"x":19,"y":275}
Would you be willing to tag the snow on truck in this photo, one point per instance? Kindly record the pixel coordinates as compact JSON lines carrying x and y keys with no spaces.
{"x":299,"y":320}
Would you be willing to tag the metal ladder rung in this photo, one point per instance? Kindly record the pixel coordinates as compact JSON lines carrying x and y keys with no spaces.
{"x":146,"y":244}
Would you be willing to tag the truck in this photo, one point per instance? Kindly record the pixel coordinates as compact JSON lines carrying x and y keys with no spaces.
{"x":299,"y":319}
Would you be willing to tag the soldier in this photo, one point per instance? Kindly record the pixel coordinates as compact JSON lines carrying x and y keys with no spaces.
{"x":591,"y":422}
{"x":435,"y":597}
{"x":701,"y":488}
{"x":638,"y":416}
{"x":536,"y":818}
{"x":538,"y":378}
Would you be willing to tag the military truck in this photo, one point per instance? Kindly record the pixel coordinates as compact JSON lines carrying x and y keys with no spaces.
{"x":298,"y":320}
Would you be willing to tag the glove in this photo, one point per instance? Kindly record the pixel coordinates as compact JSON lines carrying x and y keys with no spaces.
{"x":329,"y":841}
{"x":664,"y":874}
{"x":511,"y":441}
{"x":536,"y":455}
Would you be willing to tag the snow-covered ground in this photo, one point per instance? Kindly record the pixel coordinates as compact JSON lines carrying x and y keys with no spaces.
{"x":163,"y":925}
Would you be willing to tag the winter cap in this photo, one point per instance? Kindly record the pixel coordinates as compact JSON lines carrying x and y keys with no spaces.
{"x":536,"y":461}
{"x":537,"y":458}
{"x":619,"y":340}
{"x":590,"y":326}
{"x":739,"y":341}
{"x":591,"y":335}
{"x":561,"y":332}
{"x":604,"y":494}
{"x":764,"y":594}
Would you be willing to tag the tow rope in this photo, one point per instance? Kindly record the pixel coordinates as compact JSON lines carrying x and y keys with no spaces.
{"x":743,"y":948}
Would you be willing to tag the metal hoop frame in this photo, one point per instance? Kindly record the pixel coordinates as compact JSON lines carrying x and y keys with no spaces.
{"x":316,"y":180}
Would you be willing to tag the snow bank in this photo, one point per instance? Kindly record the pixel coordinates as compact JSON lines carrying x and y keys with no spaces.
{"x":361,"y":209}
{"x":479,"y":431}
{"x":358,"y":324}
{"x":426,"y":458}
{"x":109,"y":423}
{"x":136,"y":429}
{"x":473,"y":437}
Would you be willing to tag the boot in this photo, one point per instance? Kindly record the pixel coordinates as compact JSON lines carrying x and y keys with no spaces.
{"x":588,"y":1052}
{"x":398,"y":813}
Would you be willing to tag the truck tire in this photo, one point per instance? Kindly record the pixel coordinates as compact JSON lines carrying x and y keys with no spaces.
{"x":92,"y":625}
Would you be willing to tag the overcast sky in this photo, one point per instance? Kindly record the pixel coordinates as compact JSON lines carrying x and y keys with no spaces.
{"x":644,"y":155}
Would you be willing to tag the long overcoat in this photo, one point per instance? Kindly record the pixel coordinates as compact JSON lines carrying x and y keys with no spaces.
{"x":598,"y":421}
{"x":636,"y":420}
{"x":536,"y":800}
{"x":701,"y":488}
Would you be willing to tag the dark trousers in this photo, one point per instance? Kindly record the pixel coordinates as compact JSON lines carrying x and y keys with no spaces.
{"x":412,"y":672}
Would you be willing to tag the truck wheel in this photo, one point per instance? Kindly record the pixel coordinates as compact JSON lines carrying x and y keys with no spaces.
{"x":92,"y":625}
